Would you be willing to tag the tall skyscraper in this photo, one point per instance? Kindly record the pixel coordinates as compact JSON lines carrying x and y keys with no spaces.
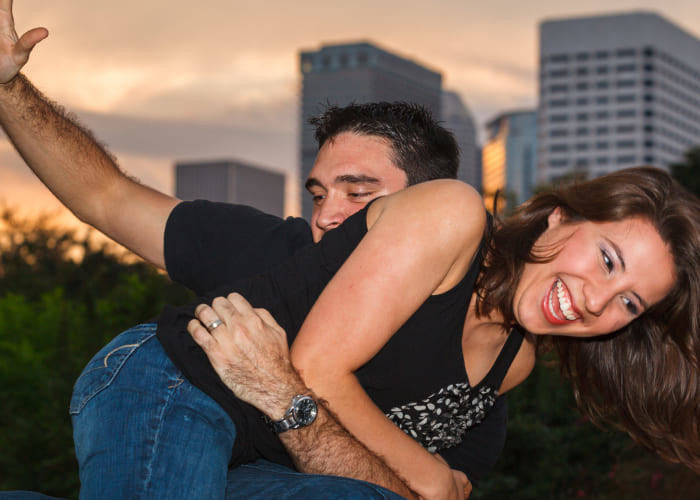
{"x":457,"y":118}
{"x":358,"y":72}
{"x":510,"y":157}
{"x":616,"y":91}
{"x":231,"y":181}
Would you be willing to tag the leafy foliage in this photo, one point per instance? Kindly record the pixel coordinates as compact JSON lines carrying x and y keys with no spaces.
{"x":62,"y":297}
{"x":687,"y":172}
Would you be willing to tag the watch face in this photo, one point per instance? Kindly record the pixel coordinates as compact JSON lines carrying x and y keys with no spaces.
{"x":305,"y":411}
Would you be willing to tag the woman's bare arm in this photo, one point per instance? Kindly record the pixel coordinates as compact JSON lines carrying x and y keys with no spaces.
{"x":420,"y":242}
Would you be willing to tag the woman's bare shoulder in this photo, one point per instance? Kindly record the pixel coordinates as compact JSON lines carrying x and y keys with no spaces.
{"x":444,"y":204}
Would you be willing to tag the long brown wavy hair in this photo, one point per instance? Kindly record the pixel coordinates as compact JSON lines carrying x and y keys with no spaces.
{"x":643,"y":378}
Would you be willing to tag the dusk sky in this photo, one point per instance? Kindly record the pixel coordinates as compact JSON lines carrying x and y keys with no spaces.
{"x":166,"y":80}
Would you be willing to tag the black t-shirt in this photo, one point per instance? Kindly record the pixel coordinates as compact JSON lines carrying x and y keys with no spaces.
{"x":207,"y":244}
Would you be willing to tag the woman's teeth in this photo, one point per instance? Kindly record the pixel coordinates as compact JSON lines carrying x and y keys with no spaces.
{"x":564,"y":303}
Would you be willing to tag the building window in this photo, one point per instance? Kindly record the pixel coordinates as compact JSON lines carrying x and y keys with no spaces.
{"x":649,"y":160}
{"x":582,"y":162}
{"x":558,"y":132}
{"x":626,"y":159}
{"x":559,"y":148}
{"x":343,"y":60}
{"x":602,"y":70}
{"x":558,"y":118}
{"x":582,"y":117}
{"x":602,"y":145}
{"x":582,"y":146}
{"x":558,"y":162}
{"x":626,"y":52}
{"x":602,"y":115}
{"x":558,"y":88}
{"x":625,"y":129}
{"x":362,"y":59}
{"x":582,"y":101}
{"x":626,"y":113}
{"x":601,"y":160}
{"x":602,"y":84}
{"x":602,"y":99}
{"x":559,"y":73}
{"x":621,"y":84}
{"x":626,"y":144}
{"x":558,"y":103}
{"x":582,"y":86}
{"x":602,"y":130}
{"x":326,"y":61}
{"x":626,"y":98}
{"x":626,"y":68}
{"x":583,"y":71}
{"x":582,"y":56}
{"x":559,"y":58}
{"x":602,"y":54}
{"x":581,"y":131}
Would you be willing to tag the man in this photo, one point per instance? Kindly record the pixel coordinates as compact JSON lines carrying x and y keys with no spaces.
{"x":354,"y":165}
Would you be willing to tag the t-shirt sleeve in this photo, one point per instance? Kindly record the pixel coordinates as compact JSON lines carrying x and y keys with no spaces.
{"x":477,"y":454}
{"x":208,"y":244}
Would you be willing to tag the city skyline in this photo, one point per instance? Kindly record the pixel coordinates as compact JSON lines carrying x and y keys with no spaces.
{"x":162,"y":82}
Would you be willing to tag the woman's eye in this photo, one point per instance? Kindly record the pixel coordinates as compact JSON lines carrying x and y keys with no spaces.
{"x":607,"y":260}
{"x":631,"y":306}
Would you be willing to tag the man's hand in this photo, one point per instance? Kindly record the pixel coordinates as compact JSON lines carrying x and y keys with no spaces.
{"x":14,"y":50}
{"x":249,"y":351}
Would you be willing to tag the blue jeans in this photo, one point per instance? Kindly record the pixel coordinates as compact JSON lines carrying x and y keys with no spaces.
{"x":143,"y":431}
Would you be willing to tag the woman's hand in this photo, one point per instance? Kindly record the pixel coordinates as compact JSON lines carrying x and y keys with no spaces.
{"x":249,"y":352}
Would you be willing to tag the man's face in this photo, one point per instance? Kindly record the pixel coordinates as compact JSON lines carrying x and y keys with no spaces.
{"x":349,"y":172}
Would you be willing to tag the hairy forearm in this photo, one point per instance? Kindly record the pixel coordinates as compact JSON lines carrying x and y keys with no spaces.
{"x":325,"y":447}
{"x":64,"y":155}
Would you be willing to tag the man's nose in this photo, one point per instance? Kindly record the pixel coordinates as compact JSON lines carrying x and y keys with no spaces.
{"x":331,"y":213}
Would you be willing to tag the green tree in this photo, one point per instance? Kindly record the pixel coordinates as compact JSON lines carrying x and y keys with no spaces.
{"x":62,"y":297}
{"x":687,"y":172}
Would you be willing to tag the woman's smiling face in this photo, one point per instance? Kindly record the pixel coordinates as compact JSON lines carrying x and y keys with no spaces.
{"x":603,"y":276}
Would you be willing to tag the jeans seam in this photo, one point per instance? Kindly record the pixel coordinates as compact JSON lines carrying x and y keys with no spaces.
{"x":156,"y":437}
{"x":78,"y":408}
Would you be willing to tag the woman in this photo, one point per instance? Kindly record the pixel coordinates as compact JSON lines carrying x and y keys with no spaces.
{"x":572,"y":264}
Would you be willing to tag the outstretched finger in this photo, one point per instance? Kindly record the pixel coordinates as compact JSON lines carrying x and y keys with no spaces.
{"x":27,"y":41}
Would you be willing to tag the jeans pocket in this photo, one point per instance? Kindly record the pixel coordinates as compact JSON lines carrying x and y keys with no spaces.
{"x":102,"y":369}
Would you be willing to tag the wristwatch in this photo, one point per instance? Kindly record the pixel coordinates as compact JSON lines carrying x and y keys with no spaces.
{"x":301,"y":412}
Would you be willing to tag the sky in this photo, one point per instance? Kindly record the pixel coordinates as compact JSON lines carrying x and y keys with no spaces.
{"x":160,"y":81}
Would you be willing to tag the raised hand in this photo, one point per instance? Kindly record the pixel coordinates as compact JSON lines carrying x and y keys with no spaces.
{"x":14,"y":50}
{"x":249,"y":352}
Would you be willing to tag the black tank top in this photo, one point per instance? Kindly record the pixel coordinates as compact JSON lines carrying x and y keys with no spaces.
{"x":418,"y":378}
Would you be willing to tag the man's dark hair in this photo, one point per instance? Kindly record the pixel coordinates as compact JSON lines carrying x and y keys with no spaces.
{"x":421,"y":147}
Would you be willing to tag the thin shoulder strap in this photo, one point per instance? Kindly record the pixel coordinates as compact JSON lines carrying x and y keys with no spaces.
{"x":494,"y":378}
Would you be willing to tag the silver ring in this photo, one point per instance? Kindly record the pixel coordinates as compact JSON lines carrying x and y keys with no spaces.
{"x":214,"y":324}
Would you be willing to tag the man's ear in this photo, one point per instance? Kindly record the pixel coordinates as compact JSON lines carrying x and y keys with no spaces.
{"x":555,"y":218}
